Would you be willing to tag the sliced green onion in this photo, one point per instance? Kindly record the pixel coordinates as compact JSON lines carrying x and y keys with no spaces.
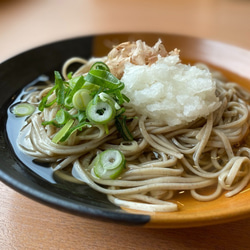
{"x":68,"y":102}
{"x":122,"y":128}
{"x":62,"y":131}
{"x":23,"y":109}
{"x":81,"y":116}
{"x":125,"y":98}
{"x":100,"y":112}
{"x":60,"y":88}
{"x":104,"y":79}
{"x":109,"y":164}
{"x":43,"y":104}
{"x":79,"y":126}
{"x":91,"y":87}
{"x":69,"y":75}
{"x":97,"y":97}
{"x":100,"y":65}
{"x":105,"y":97}
{"x":81,"y":99}
{"x":62,"y":116}
{"x":76,"y":83}
{"x":52,"y":122}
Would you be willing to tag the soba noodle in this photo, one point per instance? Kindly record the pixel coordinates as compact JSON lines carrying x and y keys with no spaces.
{"x":161,"y":160}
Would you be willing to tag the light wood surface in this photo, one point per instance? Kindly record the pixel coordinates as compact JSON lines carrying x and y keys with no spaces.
{"x":26,"y":224}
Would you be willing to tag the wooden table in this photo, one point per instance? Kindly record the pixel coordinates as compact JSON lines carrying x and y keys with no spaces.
{"x":26,"y":224}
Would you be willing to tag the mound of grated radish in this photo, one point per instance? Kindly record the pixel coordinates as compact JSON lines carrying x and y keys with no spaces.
{"x":169,"y":91}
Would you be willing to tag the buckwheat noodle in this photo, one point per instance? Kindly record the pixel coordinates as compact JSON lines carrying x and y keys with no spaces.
{"x":162,"y":160}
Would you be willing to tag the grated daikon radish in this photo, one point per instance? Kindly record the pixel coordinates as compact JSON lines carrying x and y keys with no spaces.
{"x":170,"y":91}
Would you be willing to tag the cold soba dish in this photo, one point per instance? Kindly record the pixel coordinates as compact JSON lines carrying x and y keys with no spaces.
{"x":140,"y":127}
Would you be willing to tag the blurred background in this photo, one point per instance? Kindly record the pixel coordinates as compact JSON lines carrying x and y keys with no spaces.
{"x":25,"y":24}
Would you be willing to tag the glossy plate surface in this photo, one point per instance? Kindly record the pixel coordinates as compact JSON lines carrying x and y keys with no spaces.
{"x":19,"y":71}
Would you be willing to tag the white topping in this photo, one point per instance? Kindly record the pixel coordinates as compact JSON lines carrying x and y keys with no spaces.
{"x":170,"y":91}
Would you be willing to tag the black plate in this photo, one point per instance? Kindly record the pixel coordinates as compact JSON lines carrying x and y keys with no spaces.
{"x":16,"y":73}
{"x":19,"y":172}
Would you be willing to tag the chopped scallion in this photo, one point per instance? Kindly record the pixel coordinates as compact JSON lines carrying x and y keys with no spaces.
{"x":122,"y":128}
{"x":43,"y":104}
{"x":69,"y":75}
{"x":100,"y":65}
{"x":93,"y":88}
{"x":62,"y":116}
{"x":104,"y":79}
{"x":96,"y":96}
{"x":60,"y":88}
{"x":79,"y":126}
{"x":100,"y":112}
{"x":23,"y":109}
{"x":61,"y":133}
{"x":81,"y":116}
{"x":109,"y":164}
{"x":81,"y":99}
{"x":53,"y":122}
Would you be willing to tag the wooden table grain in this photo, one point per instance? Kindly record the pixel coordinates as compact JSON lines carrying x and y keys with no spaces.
{"x":24,"y":24}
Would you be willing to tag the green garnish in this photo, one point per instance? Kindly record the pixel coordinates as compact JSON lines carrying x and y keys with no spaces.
{"x":100,"y":65}
{"x":75,"y":84}
{"x":97,"y":98}
{"x":81,"y":99}
{"x":43,"y":104}
{"x":70,"y":131}
{"x":81,"y":116}
{"x":23,"y":109}
{"x":109,"y":164}
{"x":62,"y":116}
{"x":69,"y":75}
{"x":104,"y":79}
{"x":121,"y":125}
{"x":100,"y":112}
{"x":53,"y":122}
{"x":59,"y":88}
{"x":91,"y":87}
{"x":61,"y":133}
